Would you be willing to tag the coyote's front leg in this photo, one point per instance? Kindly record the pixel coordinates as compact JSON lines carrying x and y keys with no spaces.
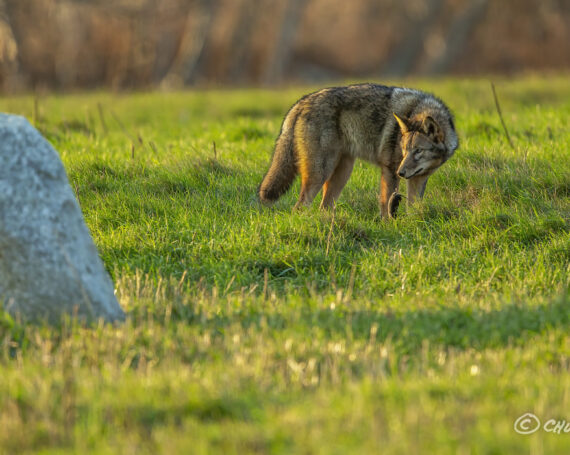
{"x":388,"y":186}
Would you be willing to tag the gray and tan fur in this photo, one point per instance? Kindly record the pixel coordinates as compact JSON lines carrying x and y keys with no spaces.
{"x":407,"y":133}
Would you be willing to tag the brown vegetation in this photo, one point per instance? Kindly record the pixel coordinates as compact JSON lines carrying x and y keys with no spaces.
{"x":135,"y":43}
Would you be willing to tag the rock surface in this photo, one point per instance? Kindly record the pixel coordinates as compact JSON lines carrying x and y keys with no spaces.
{"x":49,"y":265}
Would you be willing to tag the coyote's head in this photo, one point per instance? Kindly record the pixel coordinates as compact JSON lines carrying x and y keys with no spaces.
{"x":423,"y":147}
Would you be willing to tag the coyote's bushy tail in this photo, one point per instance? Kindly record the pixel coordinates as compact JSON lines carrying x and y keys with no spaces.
{"x":283,"y":168}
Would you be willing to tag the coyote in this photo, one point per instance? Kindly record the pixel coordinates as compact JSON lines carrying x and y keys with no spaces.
{"x":408,"y":133}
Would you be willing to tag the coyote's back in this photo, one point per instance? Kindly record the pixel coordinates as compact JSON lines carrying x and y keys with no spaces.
{"x":325,"y":131}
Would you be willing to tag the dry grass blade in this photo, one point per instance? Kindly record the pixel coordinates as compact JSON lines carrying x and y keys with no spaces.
{"x":102,"y":117}
{"x":330,"y":231}
{"x":123,"y":128}
{"x":501,"y":117}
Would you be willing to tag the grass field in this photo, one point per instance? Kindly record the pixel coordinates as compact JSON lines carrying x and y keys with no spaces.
{"x":255,"y":330}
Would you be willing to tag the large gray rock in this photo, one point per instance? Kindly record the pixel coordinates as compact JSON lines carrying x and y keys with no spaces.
{"x":49,"y":265}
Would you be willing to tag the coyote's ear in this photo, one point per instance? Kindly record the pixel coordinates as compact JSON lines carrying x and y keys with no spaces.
{"x":404,"y":123}
{"x":432,"y":130}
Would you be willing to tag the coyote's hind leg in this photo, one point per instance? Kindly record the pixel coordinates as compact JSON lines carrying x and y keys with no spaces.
{"x":336,"y":182}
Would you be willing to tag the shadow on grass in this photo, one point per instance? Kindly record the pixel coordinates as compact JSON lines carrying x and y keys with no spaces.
{"x":447,"y":326}
{"x":136,"y":178}
{"x":206,"y":410}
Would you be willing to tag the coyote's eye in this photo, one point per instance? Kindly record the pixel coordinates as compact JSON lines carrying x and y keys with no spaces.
{"x":417,"y":154}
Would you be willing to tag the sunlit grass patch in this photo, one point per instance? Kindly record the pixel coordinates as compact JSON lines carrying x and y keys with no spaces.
{"x":262,"y":330}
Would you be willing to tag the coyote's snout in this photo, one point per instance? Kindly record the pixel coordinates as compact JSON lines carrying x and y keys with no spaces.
{"x":408,"y":133}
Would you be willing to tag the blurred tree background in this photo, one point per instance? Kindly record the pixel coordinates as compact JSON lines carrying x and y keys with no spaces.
{"x":124,"y":44}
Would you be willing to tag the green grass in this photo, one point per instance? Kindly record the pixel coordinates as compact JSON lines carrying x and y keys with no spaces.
{"x":255,"y":330}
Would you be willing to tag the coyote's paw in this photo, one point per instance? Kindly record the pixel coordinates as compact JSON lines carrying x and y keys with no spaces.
{"x":393,"y":204}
